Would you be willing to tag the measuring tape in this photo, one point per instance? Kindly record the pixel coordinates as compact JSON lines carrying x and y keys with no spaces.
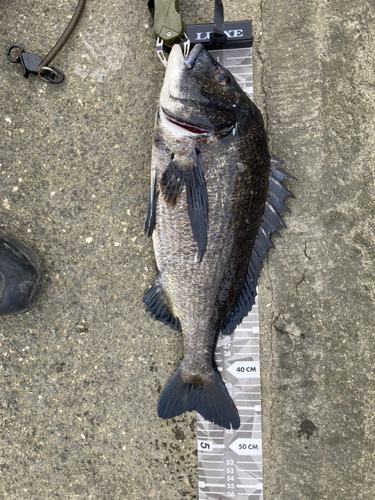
{"x":230,"y":461}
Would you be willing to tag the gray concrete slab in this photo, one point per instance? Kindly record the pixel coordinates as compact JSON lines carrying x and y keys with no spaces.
{"x":318,"y":349}
{"x":82,"y":372}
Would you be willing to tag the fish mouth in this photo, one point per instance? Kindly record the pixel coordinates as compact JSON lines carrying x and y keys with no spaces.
{"x":190,"y":127}
{"x":193,"y":128}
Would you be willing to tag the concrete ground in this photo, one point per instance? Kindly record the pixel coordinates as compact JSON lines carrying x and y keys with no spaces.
{"x":82,"y":372}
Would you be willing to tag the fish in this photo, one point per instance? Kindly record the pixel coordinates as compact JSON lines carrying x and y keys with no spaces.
{"x":216,"y":197}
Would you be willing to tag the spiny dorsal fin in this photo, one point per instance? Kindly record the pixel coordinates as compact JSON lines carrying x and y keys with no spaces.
{"x":278,"y":174}
{"x":270,"y":222}
{"x":158,"y":307}
{"x":151,"y":207}
{"x":172,"y":183}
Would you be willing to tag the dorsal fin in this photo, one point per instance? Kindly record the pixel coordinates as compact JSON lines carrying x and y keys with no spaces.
{"x":270,"y":222}
{"x":158,"y":307}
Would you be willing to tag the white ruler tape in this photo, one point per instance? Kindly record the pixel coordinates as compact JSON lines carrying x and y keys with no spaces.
{"x":230,"y":461}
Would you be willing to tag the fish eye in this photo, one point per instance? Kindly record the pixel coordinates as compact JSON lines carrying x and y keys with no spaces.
{"x":221,"y":77}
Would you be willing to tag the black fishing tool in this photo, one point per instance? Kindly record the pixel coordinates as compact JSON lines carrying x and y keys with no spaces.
{"x":169,"y":28}
{"x":34,"y":64}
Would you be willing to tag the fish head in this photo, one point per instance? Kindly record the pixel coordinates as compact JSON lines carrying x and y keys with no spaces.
{"x":199,"y":96}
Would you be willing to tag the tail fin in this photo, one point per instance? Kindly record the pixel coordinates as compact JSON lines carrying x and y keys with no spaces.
{"x":212,"y":402}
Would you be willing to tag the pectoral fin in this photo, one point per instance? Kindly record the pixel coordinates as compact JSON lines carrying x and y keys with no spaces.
{"x":172,"y":183}
{"x":151,"y":207}
{"x":174,"y":179}
{"x":198,"y":206}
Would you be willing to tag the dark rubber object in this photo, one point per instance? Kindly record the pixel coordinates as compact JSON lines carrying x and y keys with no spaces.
{"x":21,"y":276}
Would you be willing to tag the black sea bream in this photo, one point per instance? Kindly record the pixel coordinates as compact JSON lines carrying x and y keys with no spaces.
{"x":215,"y":199}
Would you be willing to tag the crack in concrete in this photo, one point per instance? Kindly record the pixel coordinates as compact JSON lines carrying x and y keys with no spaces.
{"x":300,"y":281}
{"x":262,"y":70}
{"x":305,"y":251}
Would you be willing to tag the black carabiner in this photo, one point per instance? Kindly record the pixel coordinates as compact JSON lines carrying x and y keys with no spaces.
{"x":31,"y":63}
{"x":34,"y":64}
{"x":9,"y":50}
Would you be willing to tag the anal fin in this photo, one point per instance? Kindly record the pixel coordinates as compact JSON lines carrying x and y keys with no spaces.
{"x":158,"y":307}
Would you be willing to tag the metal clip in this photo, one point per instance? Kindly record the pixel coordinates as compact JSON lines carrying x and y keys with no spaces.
{"x":50,"y":74}
{"x":186,"y":45}
{"x":160,"y":49}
